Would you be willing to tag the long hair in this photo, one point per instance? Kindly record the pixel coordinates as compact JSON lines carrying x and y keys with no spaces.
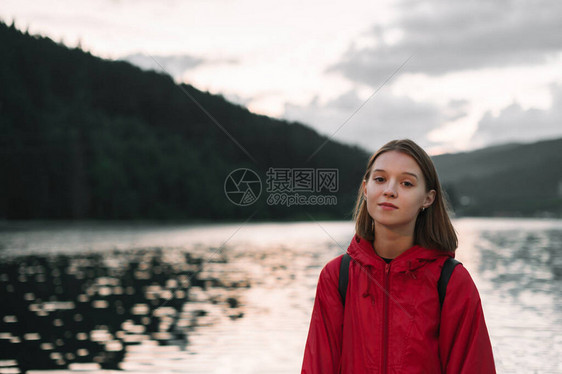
{"x":433,"y":227}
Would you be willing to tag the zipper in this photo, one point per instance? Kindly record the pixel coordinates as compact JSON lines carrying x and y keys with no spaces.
{"x":385,"y":320}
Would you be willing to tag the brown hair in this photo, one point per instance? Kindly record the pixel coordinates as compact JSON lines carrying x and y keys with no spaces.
{"x":433,"y":227}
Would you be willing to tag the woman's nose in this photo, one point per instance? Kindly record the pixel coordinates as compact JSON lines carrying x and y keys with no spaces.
{"x":390,"y":190}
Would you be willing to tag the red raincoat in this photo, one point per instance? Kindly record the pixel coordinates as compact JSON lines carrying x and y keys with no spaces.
{"x":392,"y":322}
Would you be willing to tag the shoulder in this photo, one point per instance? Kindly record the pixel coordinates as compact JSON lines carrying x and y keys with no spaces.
{"x":461,"y":276}
{"x":462,"y":285}
{"x":331,"y":271}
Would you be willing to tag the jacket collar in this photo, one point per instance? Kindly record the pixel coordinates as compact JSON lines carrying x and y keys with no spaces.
{"x":362,"y":251}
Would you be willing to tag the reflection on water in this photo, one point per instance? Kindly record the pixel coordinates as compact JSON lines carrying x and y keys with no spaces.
{"x":528,"y":259}
{"x":522,"y":267}
{"x":237,"y":298}
{"x":87,"y":308}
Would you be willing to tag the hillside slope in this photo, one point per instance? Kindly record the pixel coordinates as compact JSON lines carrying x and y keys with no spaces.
{"x":512,"y":179}
{"x":84,"y":137}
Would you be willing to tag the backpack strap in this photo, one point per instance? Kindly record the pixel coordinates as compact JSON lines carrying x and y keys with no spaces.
{"x":446,"y":272}
{"x":344,"y":276}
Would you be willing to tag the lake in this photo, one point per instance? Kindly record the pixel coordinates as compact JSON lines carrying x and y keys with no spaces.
{"x":237,"y":298}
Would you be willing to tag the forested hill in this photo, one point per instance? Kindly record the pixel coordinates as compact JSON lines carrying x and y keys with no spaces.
{"x":87,"y":138}
{"x":83,"y":137}
{"x":506,"y":180}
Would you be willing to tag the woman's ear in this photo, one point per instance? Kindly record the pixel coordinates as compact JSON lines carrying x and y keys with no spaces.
{"x":429,"y":198}
{"x":364,"y":188}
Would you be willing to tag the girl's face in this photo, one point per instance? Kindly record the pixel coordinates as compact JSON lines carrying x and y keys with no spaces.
{"x":395,"y":192}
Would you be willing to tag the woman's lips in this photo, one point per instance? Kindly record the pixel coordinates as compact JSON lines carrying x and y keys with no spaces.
{"x":388,"y":206}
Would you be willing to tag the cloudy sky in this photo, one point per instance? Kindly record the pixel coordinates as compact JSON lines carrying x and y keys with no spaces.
{"x":453,"y":76}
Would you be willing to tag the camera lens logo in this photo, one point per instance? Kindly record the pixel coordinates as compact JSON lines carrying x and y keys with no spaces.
{"x":242,"y":187}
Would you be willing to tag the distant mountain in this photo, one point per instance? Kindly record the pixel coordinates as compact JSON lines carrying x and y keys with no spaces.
{"x":505,"y":180}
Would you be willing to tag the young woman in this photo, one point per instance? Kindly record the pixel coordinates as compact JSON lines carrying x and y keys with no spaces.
{"x":392,"y":320}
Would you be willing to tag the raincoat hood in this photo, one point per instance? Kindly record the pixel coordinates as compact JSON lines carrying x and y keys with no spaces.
{"x":412,"y":259}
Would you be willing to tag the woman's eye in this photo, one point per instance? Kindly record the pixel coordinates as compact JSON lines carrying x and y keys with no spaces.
{"x":378,"y":179}
{"x":408,"y":184}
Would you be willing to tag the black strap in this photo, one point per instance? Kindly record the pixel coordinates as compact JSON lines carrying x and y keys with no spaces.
{"x":446,"y":272}
{"x":344,"y":276}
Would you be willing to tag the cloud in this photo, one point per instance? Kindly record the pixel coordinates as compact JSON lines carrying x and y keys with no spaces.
{"x":384,"y":117}
{"x":514,"y":124}
{"x":175,"y":65}
{"x":444,"y":36}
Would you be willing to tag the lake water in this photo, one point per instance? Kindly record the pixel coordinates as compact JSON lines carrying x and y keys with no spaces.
{"x":237,"y":298}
